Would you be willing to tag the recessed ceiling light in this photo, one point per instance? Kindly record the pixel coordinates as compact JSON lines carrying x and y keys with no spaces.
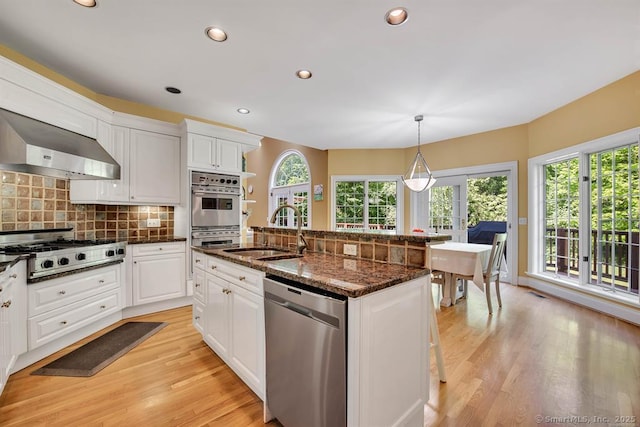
{"x":216,"y":34}
{"x":396,"y":16}
{"x":304,"y":74}
{"x":243,"y":111}
{"x":172,"y":89}
{"x":86,"y":3}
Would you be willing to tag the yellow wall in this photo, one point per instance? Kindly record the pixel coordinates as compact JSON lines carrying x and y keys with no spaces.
{"x":261,"y":161}
{"x":608,"y":110}
{"x":611,"y":109}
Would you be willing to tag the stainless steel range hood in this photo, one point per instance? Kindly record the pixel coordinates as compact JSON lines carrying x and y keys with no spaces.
{"x":31,"y":146}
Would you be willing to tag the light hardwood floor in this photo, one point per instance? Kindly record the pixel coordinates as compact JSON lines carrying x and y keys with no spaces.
{"x":536,"y":357}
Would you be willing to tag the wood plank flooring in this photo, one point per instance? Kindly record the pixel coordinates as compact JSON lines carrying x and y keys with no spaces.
{"x":534,"y":357}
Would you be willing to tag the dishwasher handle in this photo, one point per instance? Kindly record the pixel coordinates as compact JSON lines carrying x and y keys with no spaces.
{"x":334,"y":322}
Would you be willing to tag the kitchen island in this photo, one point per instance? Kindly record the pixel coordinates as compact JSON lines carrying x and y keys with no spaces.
{"x":387,"y":325}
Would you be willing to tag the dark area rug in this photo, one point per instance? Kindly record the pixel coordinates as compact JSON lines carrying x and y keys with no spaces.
{"x":89,"y":359}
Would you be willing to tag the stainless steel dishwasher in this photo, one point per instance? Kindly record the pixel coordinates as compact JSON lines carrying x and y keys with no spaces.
{"x":306,"y":350}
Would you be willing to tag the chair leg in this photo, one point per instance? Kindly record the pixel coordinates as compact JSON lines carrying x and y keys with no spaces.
{"x":487,"y":291}
{"x":498,"y":291}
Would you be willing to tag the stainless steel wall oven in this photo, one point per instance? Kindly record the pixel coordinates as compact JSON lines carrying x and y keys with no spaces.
{"x":215,"y":209}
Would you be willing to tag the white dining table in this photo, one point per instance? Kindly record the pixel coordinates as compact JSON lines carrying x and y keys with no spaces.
{"x":469,"y":259}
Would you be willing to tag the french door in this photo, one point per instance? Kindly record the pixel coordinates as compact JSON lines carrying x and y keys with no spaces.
{"x":463,"y":197}
{"x":447,"y":207}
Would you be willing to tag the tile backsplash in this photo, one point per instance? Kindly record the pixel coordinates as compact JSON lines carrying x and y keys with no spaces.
{"x":34,"y":202}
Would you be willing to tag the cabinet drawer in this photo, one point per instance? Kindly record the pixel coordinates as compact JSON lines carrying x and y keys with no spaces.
{"x":52,"y":294}
{"x":157,"y":248}
{"x":54,"y":324}
{"x":199,"y":260}
{"x":246,"y":278}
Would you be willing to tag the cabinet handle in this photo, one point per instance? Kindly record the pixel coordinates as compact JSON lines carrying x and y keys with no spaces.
{"x":213,"y":267}
{"x":14,"y":276}
{"x":197,"y":285}
{"x":100,"y":281}
{"x":62,"y":292}
{"x":241,"y":278}
{"x":6,"y":304}
{"x":160,"y":248}
{"x":64,"y":322}
{"x":135,"y":262}
{"x":197,"y":261}
{"x":197,"y":317}
{"x":132,"y":197}
{"x":0,"y":289}
{"x":102,"y":307}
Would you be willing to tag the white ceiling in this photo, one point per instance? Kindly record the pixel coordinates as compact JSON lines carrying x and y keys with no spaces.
{"x":467,"y":65}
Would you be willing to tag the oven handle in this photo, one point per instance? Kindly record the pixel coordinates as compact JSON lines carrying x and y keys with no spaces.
{"x":208,"y":193}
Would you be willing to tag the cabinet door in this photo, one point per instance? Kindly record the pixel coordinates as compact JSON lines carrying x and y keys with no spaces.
{"x":117,"y":190}
{"x":154,"y":168}
{"x":229,"y":156}
{"x":5,"y":337}
{"x":247,"y":338}
{"x":158,"y":277}
{"x":217,"y":315}
{"x":201,"y":152}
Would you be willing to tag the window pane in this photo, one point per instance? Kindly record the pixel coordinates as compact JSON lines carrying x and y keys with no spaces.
{"x":292,"y":170}
{"x":350,"y":205}
{"x":561,"y":209}
{"x":614,"y":218}
{"x":382,"y":205}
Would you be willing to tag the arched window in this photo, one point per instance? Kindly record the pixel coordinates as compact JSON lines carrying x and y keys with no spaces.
{"x":290,"y":184}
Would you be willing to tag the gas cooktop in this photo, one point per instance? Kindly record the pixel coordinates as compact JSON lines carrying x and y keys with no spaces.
{"x":55,"y":251}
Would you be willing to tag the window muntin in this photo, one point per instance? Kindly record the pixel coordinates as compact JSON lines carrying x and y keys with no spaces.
{"x":561,"y":207}
{"x":291,"y":185}
{"x":594,"y":186}
{"x":369,"y":205}
{"x":615,"y":214}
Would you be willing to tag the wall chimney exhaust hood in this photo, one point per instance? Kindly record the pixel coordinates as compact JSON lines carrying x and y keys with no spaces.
{"x":31,"y":146}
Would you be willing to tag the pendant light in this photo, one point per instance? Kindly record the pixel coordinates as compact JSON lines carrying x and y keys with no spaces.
{"x":418,"y":177}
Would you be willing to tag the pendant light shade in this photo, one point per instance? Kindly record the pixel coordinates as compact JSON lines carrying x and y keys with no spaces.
{"x":418,"y":177}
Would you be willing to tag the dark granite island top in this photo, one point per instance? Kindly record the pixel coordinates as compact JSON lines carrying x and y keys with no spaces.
{"x":343,"y":275}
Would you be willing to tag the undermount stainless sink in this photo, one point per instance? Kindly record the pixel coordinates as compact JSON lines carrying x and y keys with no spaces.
{"x":258,"y":252}
{"x":279,"y":257}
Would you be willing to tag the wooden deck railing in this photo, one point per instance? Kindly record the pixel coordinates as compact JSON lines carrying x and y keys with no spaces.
{"x":619,"y":257}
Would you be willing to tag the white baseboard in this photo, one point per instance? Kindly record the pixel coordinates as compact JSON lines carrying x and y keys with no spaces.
{"x":154,"y":307}
{"x":586,"y":299}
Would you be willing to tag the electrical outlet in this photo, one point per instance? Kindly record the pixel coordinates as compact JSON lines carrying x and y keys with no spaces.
{"x":350,"y":249}
{"x":350,"y":264}
{"x":153,"y":222}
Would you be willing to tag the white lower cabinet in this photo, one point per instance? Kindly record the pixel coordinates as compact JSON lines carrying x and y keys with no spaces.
{"x":158,"y":272}
{"x":63,"y":305}
{"x":13,"y":340}
{"x":233,"y":316}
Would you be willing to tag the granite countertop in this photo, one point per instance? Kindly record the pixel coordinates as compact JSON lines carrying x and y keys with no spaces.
{"x":155,"y":239}
{"x":343,"y":275}
{"x":8,"y":261}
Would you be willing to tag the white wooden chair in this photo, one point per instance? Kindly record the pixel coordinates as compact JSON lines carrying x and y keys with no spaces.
{"x":492,"y":272}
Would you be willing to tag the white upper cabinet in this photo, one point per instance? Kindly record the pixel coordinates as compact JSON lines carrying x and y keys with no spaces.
{"x":149,"y":165}
{"x":214,"y":154}
{"x":211,"y":148}
{"x":154,"y":168}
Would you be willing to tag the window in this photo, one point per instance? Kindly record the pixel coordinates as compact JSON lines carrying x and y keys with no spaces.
{"x":585,"y":215}
{"x":368,"y":204}
{"x":291,"y":185}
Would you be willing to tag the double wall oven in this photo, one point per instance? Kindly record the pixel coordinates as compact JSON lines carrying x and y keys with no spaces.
{"x":215,"y":209}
